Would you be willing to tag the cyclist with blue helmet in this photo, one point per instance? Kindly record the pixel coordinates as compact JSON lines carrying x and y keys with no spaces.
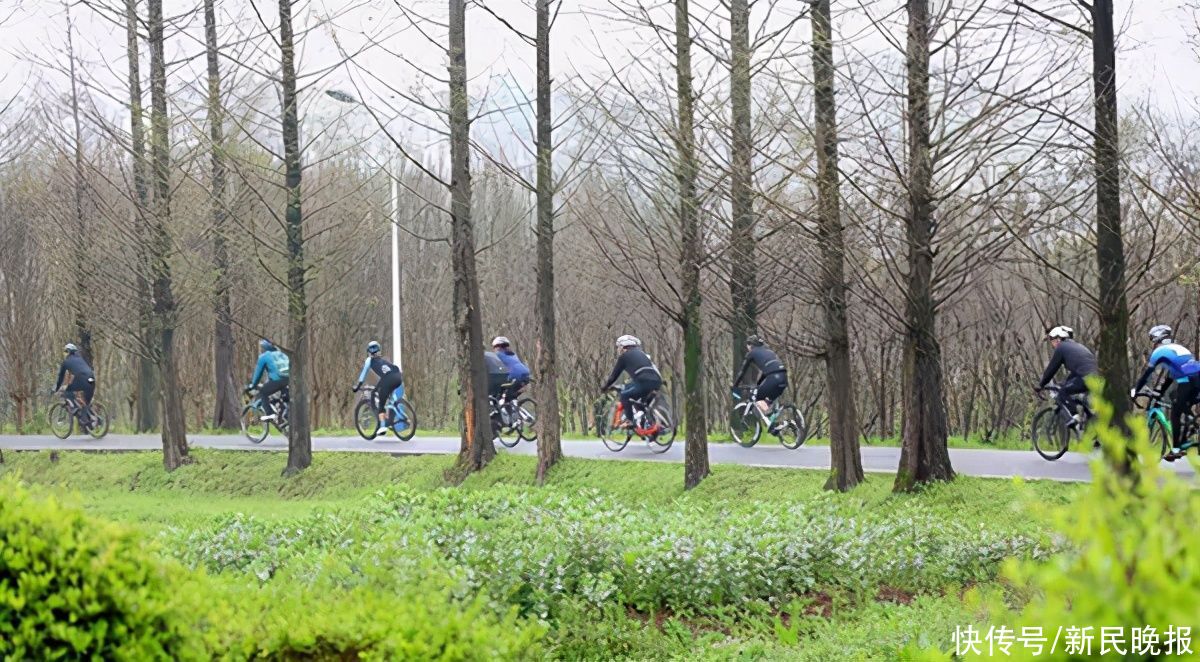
{"x":389,"y":380}
{"x":276,"y":365}
{"x":1184,"y":371}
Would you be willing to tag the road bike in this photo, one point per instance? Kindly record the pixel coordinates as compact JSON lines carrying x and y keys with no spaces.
{"x":67,"y":413}
{"x":399,"y":411}
{"x":653,"y":422}
{"x":1054,"y":428}
{"x":512,"y":420}
{"x":1158,"y":423}
{"x":747,"y":423}
{"x":253,"y":425}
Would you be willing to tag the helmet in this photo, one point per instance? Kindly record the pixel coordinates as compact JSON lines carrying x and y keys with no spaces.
{"x":1060,"y":333}
{"x":500,"y":341}
{"x":1160,"y":333}
{"x":754,"y":340}
{"x":70,"y":348}
{"x":628,"y":341}
{"x":266,"y":345}
{"x":373,"y":347}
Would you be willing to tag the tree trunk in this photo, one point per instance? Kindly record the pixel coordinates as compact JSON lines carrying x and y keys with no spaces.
{"x":923,"y":454}
{"x":743,"y":273}
{"x":695,"y":462}
{"x":1112,"y":352}
{"x":846,"y":464}
{"x":477,"y":448}
{"x":225,"y":412}
{"x":299,"y":431}
{"x":82,"y":327}
{"x":550,"y":432}
{"x":174,"y":431}
{"x":146,"y":414}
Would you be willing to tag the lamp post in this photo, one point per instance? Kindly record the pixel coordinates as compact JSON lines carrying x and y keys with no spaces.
{"x":397,"y":346}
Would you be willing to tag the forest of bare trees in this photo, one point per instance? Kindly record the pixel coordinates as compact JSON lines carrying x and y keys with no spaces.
{"x":901,"y":197}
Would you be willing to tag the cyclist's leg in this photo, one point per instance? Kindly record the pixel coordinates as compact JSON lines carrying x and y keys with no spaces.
{"x":265,"y":393}
{"x":514,"y":390}
{"x":769,"y":389}
{"x":74,"y":393}
{"x":88,"y":392}
{"x":1067,"y":392}
{"x":636,"y":390}
{"x":1181,"y":401}
{"x":383,"y":393}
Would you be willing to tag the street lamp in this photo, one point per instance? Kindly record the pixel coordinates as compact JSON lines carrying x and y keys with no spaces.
{"x":344,"y":97}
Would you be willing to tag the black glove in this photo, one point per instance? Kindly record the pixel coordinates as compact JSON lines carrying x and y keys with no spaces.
{"x":354,"y":389}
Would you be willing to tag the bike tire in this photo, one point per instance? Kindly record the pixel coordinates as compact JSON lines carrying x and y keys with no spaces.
{"x":100,"y":429}
{"x":61,"y":420}
{"x":614,"y":439}
{"x":527,"y":417}
{"x":253,"y":427}
{"x":366,"y":421}
{"x":410,"y":415}
{"x":792,"y":430}
{"x":1051,"y":438}
{"x":1160,"y":436}
{"x":744,"y":426}
{"x":661,"y":411}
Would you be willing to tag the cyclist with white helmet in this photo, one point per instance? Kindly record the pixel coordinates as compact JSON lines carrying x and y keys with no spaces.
{"x":83,"y":379}
{"x":389,"y":379}
{"x":1077,"y":359}
{"x":518,"y":372}
{"x":643,"y":375}
{"x":1184,"y":371}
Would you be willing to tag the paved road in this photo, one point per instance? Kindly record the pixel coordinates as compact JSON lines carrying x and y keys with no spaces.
{"x":986,"y":463}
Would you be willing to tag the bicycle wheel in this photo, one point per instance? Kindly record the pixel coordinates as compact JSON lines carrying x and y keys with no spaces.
{"x":100,"y":421}
{"x":1051,"y":437}
{"x":410,"y":416}
{"x":366,"y":421}
{"x":61,"y":420}
{"x":1160,"y":436}
{"x":253,"y":426}
{"x":790,"y":427}
{"x":526,"y":419}
{"x":614,"y":438}
{"x":661,"y":411}
{"x":744,"y":426}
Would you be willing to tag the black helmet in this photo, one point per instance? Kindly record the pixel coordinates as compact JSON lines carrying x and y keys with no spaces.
{"x":754,"y":340}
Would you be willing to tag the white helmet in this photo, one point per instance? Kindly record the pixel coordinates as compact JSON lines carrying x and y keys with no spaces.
{"x":1061,"y":333}
{"x":628,"y":341}
{"x":500,"y":340}
{"x":1161,"y":333}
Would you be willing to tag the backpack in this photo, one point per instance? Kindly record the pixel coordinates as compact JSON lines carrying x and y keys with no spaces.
{"x":282,"y":363}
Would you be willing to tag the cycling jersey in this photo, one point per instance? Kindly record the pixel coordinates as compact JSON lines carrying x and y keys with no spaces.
{"x":1178,"y":361}
{"x":517,"y":371}
{"x":765,"y":360}
{"x":378,"y":365}
{"x":79,"y":369}
{"x":1078,"y":360}
{"x":635,"y":363}
{"x":275,"y":363}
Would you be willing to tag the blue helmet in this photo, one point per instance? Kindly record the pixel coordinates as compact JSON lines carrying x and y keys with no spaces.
{"x":373,"y":348}
{"x":266,"y":345}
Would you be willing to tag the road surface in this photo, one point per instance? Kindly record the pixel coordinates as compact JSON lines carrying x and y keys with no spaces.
{"x":969,"y":462}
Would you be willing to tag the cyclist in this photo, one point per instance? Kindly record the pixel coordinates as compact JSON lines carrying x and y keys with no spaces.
{"x":497,"y":374}
{"x":772,"y":374}
{"x":83,"y":379}
{"x":643,"y":375}
{"x":1183,"y":369}
{"x":277,"y":366}
{"x":1079,"y":362}
{"x":518,"y":372}
{"x":390,"y":381}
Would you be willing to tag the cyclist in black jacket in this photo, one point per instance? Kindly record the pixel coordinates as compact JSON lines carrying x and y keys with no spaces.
{"x":390,"y":380}
{"x":1079,"y":362}
{"x":83,"y":379}
{"x":772,"y":374}
{"x":643,"y":374}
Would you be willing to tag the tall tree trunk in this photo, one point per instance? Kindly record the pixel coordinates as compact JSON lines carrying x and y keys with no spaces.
{"x":549,"y":436}
{"x":299,"y":430}
{"x":846,"y":460}
{"x":923,"y":453}
{"x":1112,"y":353}
{"x":147,"y":381}
{"x":225,"y":411}
{"x":695,"y":461}
{"x":477,"y":448}
{"x":174,"y":432}
{"x":82,"y":328}
{"x":743,"y":272}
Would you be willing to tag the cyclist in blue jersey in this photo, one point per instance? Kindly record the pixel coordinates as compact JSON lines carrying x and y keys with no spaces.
{"x":1184,"y":371}
{"x":518,"y":372}
{"x":389,"y":381}
{"x":276,"y":365}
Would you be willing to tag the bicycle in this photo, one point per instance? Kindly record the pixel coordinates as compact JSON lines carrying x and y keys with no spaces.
{"x":512,"y":420}
{"x":654,"y":423}
{"x":1158,"y":423}
{"x":399,"y":410}
{"x":1052,"y":431}
{"x":748,"y":421}
{"x":253,"y":425}
{"x":63,"y":416}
